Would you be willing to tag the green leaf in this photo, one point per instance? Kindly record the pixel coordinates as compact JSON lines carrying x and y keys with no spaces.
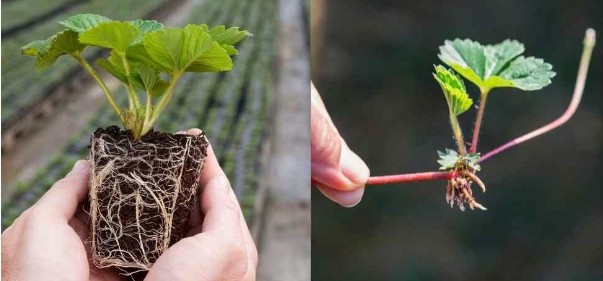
{"x":82,"y":22}
{"x":454,"y":90}
{"x":146,"y":26}
{"x":229,"y":36}
{"x":48,"y":51}
{"x":139,"y":54}
{"x":448,"y":159}
{"x":174,"y":50}
{"x":489,"y":66}
{"x":214,"y":60}
{"x":36,"y":47}
{"x":528,"y":73}
{"x":114,"y":35}
{"x":472,"y":160}
{"x":159,"y":88}
{"x":114,"y":66}
{"x":148,"y":76}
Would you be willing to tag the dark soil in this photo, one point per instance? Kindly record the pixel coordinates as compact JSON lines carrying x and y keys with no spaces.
{"x":134,"y":184}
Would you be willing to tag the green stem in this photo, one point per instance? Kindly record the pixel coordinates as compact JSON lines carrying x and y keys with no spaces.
{"x":132,"y":96}
{"x":478,"y":120}
{"x":147,"y":115}
{"x":458,"y":134}
{"x":102,"y":85}
{"x":163,"y":101}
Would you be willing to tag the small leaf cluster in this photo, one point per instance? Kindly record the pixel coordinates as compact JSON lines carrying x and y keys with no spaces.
{"x":454,"y":90}
{"x":452,"y":160}
{"x":488,"y":67}
{"x":143,"y":55}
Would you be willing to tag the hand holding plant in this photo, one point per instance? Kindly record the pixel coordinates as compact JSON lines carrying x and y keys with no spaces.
{"x":336,"y":170}
{"x":143,"y":182}
{"x":49,"y":240}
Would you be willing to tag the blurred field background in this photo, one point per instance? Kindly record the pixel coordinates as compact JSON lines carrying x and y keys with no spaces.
{"x":372,"y":63}
{"x":47,"y":117}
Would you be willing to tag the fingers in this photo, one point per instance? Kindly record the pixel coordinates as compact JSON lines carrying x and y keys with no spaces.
{"x":224,"y":249}
{"x":334,"y":166}
{"x":223,"y":217}
{"x":252,"y":253}
{"x":344,"y":198}
{"x":65,"y":195}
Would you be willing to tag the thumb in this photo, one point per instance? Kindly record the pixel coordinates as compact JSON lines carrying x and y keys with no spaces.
{"x":63,"y":198}
{"x":338,"y":172}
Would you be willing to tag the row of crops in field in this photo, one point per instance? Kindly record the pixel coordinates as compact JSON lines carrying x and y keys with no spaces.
{"x":22,"y":86}
{"x":230,"y":107}
{"x":25,"y":12}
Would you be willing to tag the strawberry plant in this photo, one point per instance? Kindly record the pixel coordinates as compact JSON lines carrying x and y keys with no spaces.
{"x":144,"y":56}
{"x":143,"y":183}
{"x":488,"y":67}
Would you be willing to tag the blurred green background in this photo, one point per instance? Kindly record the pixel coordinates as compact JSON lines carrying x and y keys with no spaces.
{"x":372,"y":63}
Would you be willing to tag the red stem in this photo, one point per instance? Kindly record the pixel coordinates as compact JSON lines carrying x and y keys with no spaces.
{"x":426,"y":176}
{"x":589,"y":42}
{"x":478,"y":121}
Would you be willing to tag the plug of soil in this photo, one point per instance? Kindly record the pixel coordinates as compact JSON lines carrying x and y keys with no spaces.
{"x":141,"y":195}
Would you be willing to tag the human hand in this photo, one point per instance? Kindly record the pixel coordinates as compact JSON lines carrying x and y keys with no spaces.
{"x":219,"y":246}
{"x":47,"y":241}
{"x":336,"y":170}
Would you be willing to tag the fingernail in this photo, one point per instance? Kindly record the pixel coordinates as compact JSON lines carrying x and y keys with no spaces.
{"x":80,"y":166}
{"x":195,"y":131}
{"x":353,"y":167}
{"x":346,"y":199}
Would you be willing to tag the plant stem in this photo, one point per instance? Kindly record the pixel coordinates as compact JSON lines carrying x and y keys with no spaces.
{"x":478,"y":120}
{"x":163,"y":101}
{"x":132,"y":96}
{"x":589,"y":42}
{"x":102,"y":85}
{"x":458,"y":134}
{"x":147,"y":115}
{"x":426,"y":176}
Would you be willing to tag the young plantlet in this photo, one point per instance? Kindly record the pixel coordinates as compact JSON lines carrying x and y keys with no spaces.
{"x":143,"y":182}
{"x":488,"y":67}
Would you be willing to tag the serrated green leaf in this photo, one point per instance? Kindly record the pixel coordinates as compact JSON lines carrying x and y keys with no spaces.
{"x":139,"y":54}
{"x":114,"y":35}
{"x":229,"y":36}
{"x":174,"y":50}
{"x":484,"y":65}
{"x":472,"y":160}
{"x":35,"y":47}
{"x":528,"y":73}
{"x":214,"y":60}
{"x":48,"y":51}
{"x":82,"y":22}
{"x":448,"y":159}
{"x":114,"y":66}
{"x":454,"y":90}
{"x":145,"y":26}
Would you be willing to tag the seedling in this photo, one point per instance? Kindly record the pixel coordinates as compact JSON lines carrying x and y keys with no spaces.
{"x":143,"y":183}
{"x":488,"y":67}
{"x":144,"y":56}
